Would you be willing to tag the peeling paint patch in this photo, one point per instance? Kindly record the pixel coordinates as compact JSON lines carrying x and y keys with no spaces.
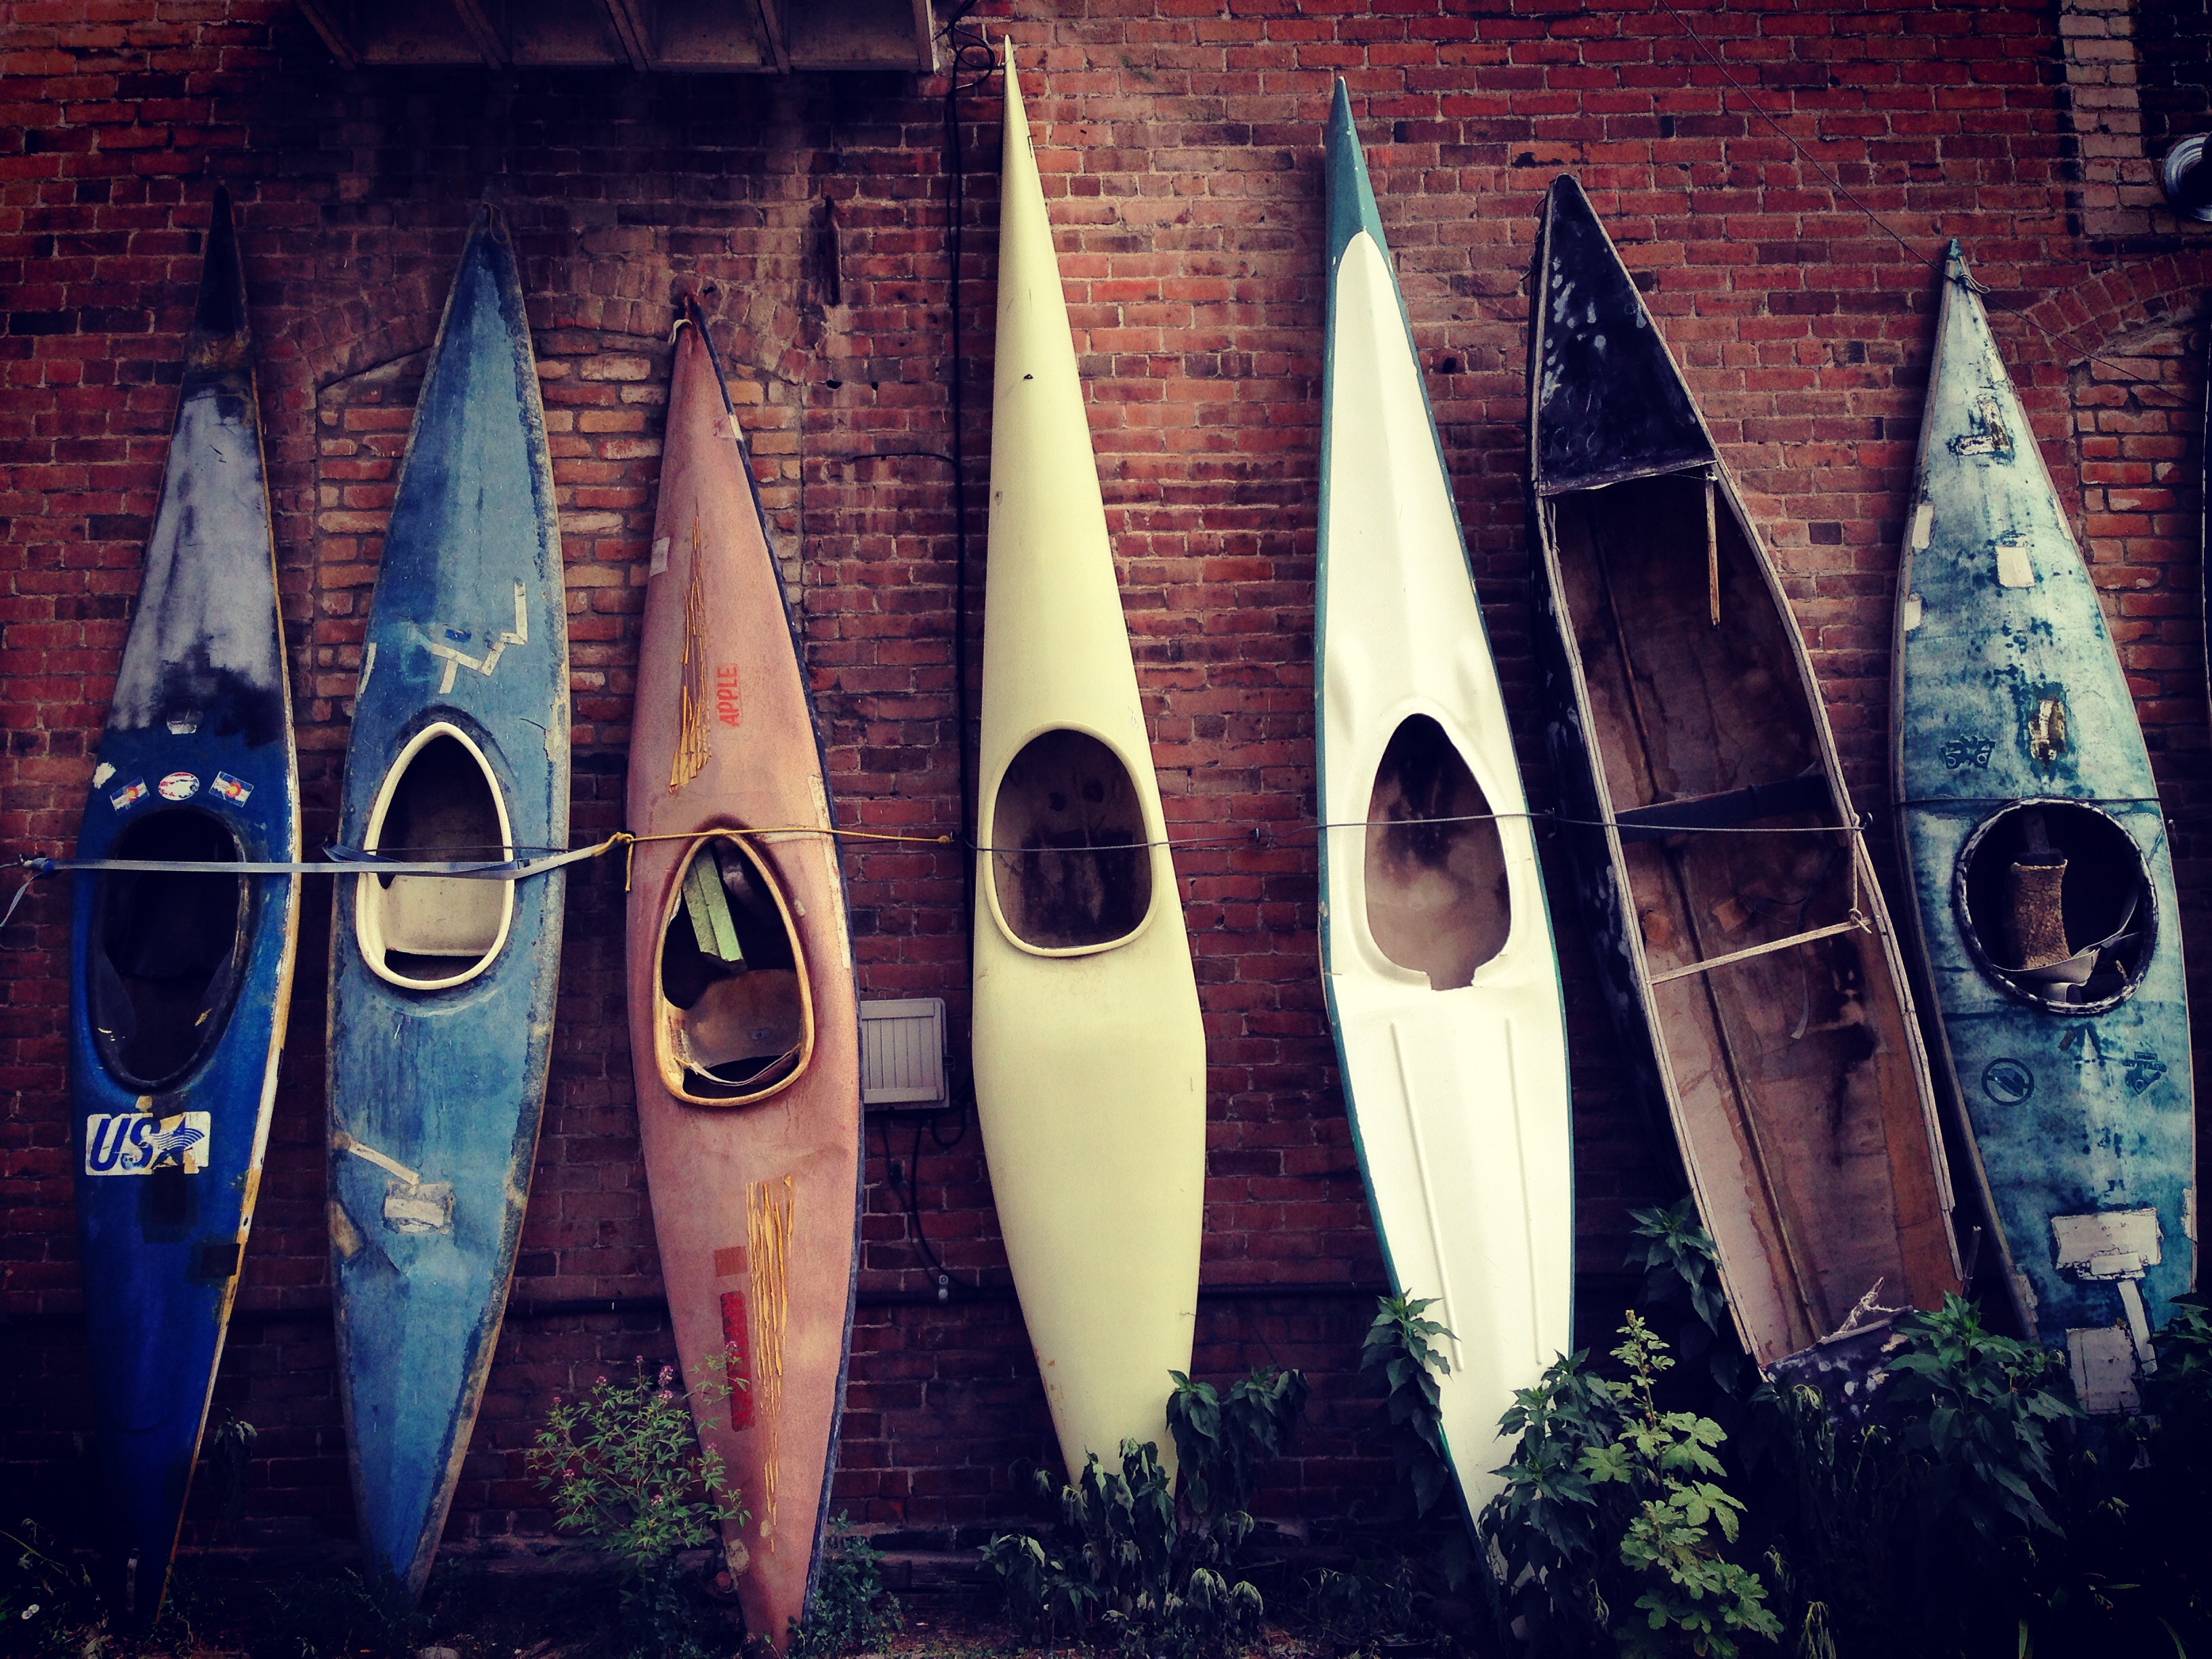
{"x":1985,"y":433}
{"x":2046,"y":728}
{"x":345,"y":1237}
{"x":2103,"y":1361}
{"x":2013,"y":567}
{"x":1924,"y":526}
{"x":419,"y":1206}
{"x":1913,"y":608}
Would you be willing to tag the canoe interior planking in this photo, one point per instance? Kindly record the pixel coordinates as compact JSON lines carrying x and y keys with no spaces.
{"x":1781,"y":1058}
{"x":1746,"y":954}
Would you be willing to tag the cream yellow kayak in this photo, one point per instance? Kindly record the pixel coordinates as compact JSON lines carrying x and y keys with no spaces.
{"x":1089,"y":1059}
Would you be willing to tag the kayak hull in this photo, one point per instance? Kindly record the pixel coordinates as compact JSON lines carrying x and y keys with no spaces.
{"x":1453,"y":1063}
{"x":196,"y":761}
{"x":2010,"y":707}
{"x":754,"y":1198}
{"x":1088,"y":1052}
{"x":437,"y":1077}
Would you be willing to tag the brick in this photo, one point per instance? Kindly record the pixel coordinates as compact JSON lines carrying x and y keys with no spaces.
{"x":1185,"y":202}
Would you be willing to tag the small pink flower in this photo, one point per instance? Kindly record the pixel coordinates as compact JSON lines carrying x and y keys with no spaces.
{"x":668,"y":1374}
{"x":663,"y":1396}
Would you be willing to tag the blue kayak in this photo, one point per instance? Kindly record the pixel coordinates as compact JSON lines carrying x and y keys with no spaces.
{"x":2044,"y":884}
{"x":442,"y":987}
{"x":179,"y":981}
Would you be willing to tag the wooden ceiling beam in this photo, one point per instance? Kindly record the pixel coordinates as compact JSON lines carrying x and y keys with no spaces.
{"x":779,"y":37}
{"x":925,"y":37}
{"x":483,"y":31}
{"x":623,"y":16}
{"x":328,"y":22}
{"x":773,"y":46}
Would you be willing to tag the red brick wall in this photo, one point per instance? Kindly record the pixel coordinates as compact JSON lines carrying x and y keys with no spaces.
{"x":1181,"y":155}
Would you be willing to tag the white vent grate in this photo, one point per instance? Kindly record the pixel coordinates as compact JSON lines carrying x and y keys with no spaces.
{"x":903,"y":1053}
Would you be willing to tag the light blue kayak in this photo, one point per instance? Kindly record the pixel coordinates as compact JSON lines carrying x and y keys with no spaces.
{"x":2044,"y":886}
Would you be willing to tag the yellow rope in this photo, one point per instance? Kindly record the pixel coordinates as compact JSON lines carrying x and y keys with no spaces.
{"x":768,"y":1240}
{"x":623,"y":839}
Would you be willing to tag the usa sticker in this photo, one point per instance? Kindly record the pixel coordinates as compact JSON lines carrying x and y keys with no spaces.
{"x":179,"y":786}
{"x":233,"y":790}
{"x":138,"y":1143}
{"x":128,"y":795}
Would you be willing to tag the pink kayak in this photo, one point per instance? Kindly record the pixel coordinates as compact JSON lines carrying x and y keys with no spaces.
{"x":743,"y":1026}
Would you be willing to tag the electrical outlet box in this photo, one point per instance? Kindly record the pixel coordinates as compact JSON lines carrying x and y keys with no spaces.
{"x":903,"y":1054}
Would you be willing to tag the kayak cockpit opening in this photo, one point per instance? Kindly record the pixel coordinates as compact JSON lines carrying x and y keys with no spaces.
{"x":1437,"y":899}
{"x":737,"y":1018}
{"x":1070,"y":869}
{"x":166,"y":949}
{"x":440,"y":804}
{"x":2055,"y":904}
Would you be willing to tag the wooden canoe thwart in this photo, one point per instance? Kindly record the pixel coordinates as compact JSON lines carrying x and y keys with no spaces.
{"x":1748,"y":945}
{"x":744,"y":1023}
{"x":442,"y":987}
{"x":2048,"y":923}
{"x":1089,"y":1053}
{"x":1436,"y":957}
{"x":180,"y":982}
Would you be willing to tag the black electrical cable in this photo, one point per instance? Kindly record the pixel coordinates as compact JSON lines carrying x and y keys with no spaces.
{"x":971,"y":59}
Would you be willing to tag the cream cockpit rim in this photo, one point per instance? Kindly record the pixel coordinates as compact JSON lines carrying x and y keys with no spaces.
{"x":373,"y":904}
{"x":671,"y":1067}
{"x":1160,"y":866}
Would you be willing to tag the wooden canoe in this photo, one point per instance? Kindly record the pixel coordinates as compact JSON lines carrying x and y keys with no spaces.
{"x":1751,"y":965}
{"x":179,"y":983}
{"x":1444,"y":990}
{"x":2044,"y":884}
{"x":1089,"y":1059}
{"x":744,"y":1028}
{"x":442,"y":988}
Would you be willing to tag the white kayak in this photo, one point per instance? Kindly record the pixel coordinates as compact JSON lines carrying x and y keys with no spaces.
{"x":1089,"y":1059}
{"x":1443,"y":986}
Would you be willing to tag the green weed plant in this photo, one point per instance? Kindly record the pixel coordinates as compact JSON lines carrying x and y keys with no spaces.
{"x":850,"y":1608}
{"x":627,"y":1474}
{"x":1150,"y":1565}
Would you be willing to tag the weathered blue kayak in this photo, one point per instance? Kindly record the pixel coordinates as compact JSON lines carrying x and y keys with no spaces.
{"x":2044,"y":884}
{"x":180,"y":983}
{"x":442,"y":987}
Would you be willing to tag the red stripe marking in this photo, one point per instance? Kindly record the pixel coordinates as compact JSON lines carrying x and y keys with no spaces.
{"x":737,"y":1344}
